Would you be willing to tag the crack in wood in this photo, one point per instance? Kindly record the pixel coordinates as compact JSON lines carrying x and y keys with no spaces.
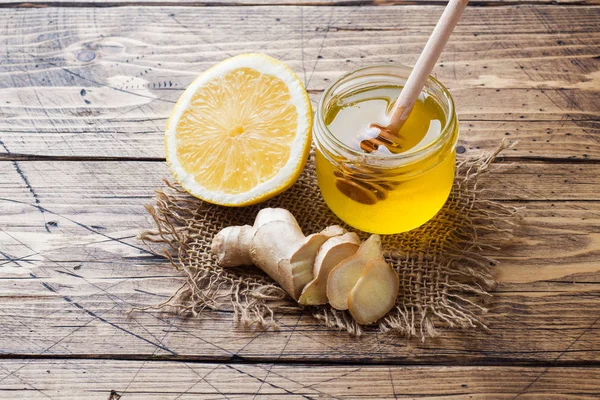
{"x":27,"y":185}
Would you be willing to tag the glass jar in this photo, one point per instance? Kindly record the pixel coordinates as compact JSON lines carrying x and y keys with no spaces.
{"x":379,"y":193}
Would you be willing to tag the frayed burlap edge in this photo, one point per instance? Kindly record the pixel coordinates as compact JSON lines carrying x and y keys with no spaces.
{"x":445,"y":276}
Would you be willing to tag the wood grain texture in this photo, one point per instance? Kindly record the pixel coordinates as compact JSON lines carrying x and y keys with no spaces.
{"x":101,"y":379}
{"x":96,"y":82}
{"x":72,"y":268}
{"x":80,"y":82}
{"x":251,"y":3}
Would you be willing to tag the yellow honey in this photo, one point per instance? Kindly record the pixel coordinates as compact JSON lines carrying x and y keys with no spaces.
{"x":393,"y":189}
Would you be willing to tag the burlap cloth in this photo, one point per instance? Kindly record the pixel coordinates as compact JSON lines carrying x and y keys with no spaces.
{"x":445,"y":275}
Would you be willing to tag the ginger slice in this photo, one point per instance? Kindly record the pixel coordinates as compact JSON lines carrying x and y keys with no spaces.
{"x":375,"y":293}
{"x":303,"y":260}
{"x":333,"y":251}
{"x":344,"y":276}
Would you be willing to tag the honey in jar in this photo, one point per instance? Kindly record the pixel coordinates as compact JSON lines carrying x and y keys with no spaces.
{"x":396,"y":187}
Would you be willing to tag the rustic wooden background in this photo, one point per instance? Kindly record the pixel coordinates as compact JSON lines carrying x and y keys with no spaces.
{"x":85,"y":89}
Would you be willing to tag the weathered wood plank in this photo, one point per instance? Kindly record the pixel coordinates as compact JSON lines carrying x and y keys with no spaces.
{"x":99,"y":183}
{"x":99,"y":379}
{"x":238,"y":3}
{"x":525,"y":328}
{"x":71,"y":269}
{"x":101,"y":82}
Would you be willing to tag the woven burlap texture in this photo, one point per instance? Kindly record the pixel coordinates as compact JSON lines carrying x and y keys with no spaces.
{"x":445,"y":275}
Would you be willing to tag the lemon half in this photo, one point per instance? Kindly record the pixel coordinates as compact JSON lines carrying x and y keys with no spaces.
{"x":241,"y":132}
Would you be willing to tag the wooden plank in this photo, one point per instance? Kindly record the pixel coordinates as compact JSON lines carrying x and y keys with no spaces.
{"x":100,"y":183}
{"x":72,"y":268}
{"x":526,"y":327}
{"x":102,"y":379}
{"x":239,"y":3}
{"x":100,"y":82}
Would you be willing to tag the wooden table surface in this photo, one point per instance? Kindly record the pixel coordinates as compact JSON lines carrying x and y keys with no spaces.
{"x":85,"y":90}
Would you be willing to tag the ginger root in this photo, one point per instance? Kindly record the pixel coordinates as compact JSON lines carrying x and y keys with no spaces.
{"x":328,"y":266}
{"x":275,"y":244}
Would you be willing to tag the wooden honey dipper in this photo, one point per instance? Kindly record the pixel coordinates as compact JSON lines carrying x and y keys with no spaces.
{"x":357,"y":182}
{"x":388,"y":135}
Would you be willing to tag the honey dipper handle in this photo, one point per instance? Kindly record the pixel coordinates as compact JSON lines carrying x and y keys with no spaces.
{"x":425,"y":63}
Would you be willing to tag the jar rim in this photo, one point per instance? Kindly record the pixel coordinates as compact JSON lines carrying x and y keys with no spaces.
{"x":431,"y":82}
